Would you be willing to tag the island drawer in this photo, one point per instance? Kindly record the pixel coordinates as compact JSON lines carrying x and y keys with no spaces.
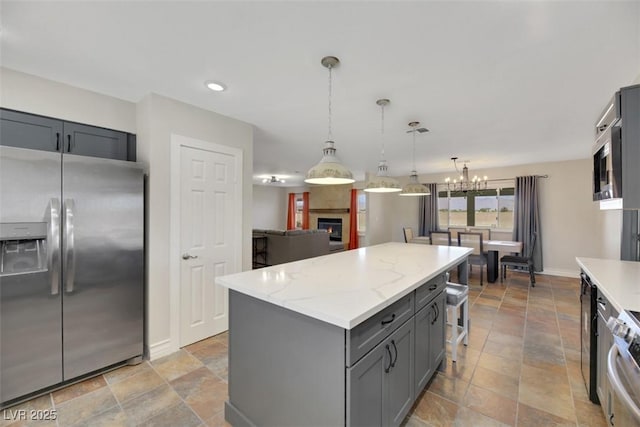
{"x":430,"y":289}
{"x":372,"y":331}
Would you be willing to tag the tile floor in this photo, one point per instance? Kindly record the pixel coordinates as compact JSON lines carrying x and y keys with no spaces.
{"x":521,"y":368}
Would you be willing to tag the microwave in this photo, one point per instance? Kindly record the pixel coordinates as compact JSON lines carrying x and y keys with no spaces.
{"x":607,"y":153}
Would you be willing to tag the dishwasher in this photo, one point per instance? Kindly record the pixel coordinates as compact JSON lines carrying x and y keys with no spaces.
{"x":589,"y":336}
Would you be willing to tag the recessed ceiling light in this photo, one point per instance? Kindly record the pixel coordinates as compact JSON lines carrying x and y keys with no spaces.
{"x":215,"y":86}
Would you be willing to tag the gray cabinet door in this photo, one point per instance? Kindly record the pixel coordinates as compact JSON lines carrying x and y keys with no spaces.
{"x":28,"y":131}
{"x":366,"y":388}
{"x":422,"y":365}
{"x":437,"y":331}
{"x":92,"y":141}
{"x":400,"y":378}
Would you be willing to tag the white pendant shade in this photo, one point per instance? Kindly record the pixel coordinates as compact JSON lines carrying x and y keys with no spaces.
{"x":414,"y":188}
{"x":329,"y":171}
{"x":381,"y":183}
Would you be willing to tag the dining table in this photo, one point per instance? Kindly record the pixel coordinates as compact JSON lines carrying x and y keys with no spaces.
{"x":492,"y":247}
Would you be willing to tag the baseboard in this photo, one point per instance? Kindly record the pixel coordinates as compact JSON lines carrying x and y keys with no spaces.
{"x":161,"y":349}
{"x":560,"y":272}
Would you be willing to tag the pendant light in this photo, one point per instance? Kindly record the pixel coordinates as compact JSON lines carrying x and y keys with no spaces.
{"x":329,"y":170}
{"x":381,"y":183}
{"x":414,"y":188}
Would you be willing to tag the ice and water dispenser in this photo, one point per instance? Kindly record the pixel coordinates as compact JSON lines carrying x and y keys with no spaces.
{"x":23,"y":248}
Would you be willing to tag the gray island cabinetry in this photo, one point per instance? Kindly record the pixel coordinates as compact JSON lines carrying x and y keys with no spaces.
{"x":349,"y":339}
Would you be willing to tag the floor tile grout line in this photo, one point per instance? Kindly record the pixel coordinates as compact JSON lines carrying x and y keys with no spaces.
{"x":203,"y":422}
{"x":86,"y":394}
{"x":564,"y":355}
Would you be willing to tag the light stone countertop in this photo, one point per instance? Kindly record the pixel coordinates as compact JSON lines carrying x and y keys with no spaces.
{"x":346,"y":288}
{"x":619,"y":281}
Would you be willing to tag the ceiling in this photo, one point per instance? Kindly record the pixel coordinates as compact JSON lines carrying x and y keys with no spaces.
{"x":497,"y":83}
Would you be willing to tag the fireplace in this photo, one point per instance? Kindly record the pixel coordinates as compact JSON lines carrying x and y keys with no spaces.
{"x":333,"y":227}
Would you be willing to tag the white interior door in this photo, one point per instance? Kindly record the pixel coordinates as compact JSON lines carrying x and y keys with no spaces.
{"x":207,"y":248}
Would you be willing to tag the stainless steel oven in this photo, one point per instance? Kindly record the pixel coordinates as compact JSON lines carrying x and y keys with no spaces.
{"x":623,"y":370}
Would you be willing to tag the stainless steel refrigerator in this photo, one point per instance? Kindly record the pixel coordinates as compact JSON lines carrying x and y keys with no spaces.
{"x":71,"y":267}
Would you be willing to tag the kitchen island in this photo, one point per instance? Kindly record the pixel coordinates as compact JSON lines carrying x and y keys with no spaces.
{"x":349,"y":338}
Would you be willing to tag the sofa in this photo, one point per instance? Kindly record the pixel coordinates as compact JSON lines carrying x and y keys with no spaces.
{"x":293,"y":245}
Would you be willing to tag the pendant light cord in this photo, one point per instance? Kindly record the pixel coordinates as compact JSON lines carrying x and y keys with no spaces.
{"x":329,"y":134}
{"x":382,"y":131}
{"x":414,"y":148}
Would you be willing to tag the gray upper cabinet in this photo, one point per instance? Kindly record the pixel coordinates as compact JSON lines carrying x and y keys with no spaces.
{"x":630,"y":114}
{"x":92,"y":141}
{"x":29,"y":131}
{"x":18,"y":129}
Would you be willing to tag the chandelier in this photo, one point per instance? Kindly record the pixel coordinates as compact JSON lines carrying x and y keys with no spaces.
{"x":465,"y":184}
{"x":329,"y":170}
{"x":273,"y":180}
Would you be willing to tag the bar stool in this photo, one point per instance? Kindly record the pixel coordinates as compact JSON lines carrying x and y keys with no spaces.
{"x":457,"y":296}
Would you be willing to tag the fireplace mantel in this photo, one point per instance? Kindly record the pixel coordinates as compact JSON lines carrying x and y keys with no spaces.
{"x":330,"y":211}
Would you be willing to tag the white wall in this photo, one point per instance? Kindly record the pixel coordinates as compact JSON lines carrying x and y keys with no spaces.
{"x":571,"y":222}
{"x":269,"y":207}
{"x":31,"y":94}
{"x":154,"y":119}
{"x":158,"y":119}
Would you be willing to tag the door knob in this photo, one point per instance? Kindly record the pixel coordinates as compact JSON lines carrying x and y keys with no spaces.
{"x":187,"y":256}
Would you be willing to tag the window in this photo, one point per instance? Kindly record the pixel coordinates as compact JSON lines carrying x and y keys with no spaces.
{"x":362,"y":211}
{"x":492,"y":208}
{"x":299,"y":207}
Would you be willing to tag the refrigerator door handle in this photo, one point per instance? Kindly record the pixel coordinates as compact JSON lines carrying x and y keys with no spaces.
{"x":69,"y":252}
{"x":53,"y":249}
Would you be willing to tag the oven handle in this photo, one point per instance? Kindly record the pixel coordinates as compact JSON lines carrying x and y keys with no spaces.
{"x":616,"y":383}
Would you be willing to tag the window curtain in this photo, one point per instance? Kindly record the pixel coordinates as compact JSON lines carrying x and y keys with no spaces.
{"x":291,"y":212}
{"x":526,"y":218}
{"x":428,"y":211}
{"x":353,"y":220}
{"x":305,"y":210}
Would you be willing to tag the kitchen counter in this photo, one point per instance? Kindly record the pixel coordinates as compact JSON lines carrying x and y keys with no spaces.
{"x":619,"y":281}
{"x":346,"y":288}
{"x":350,"y":338}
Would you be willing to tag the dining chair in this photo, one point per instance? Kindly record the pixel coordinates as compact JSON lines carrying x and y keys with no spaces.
{"x":478,"y":256}
{"x":455,"y":230}
{"x":408,"y":234}
{"x":442,"y":238}
{"x":520,"y":261}
{"x":486,"y":233}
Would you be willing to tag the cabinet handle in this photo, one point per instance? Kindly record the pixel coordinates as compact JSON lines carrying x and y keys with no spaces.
{"x":433,"y":287}
{"x":395,"y":359}
{"x":388,"y":368}
{"x":68,"y":143}
{"x":436,"y":311}
{"x":611,"y":420}
{"x":57,"y":141}
{"x":386,"y":322}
